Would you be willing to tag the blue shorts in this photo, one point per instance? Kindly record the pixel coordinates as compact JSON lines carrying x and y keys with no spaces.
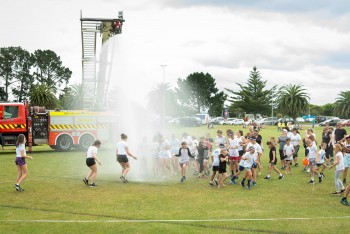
{"x":241,"y":168}
{"x":312,"y":161}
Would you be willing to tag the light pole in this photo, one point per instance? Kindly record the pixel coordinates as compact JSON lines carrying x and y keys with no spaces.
{"x":162,"y":118}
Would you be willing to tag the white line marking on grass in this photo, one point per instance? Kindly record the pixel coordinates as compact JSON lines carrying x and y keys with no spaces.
{"x":167,"y":221}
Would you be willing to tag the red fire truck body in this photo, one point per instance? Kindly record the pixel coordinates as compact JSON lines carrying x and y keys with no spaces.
{"x":62,"y":130}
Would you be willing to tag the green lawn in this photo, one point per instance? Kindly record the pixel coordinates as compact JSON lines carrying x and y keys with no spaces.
{"x":55,"y":192}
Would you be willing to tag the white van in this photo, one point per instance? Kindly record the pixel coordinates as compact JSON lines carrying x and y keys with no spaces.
{"x":204,"y":117}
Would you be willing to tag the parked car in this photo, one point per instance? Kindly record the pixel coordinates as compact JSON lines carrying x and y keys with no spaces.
{"x":329,"y":122}
{"x":291,"y":120}
{"x":346,"y":123}
{"x":228,"y":121}
{"x":186,"y":121}
{"x":320,"y":119}
{"x":267,"y":121}
{"x":238,"y":122}
{"x":216,"y":120}
{"x":299,"y":120}
{"x":204,"y":118}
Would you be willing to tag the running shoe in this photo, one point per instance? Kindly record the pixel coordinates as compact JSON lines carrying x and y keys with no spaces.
{"x":336,"y":193}
{"x":254,"y":183}
{"x":320,"y":178}
{"x":123,"y":179}
{"x":18,"y":188}
{"x":242,"y":184}
{"x":281,"y":177}
{"x":233,"y":181}
{"x":211,"y":183}
{"x":266,"y":178}
{"x":311,"y":182}
{"x":93,"y":185}
{"x":296,"y":165}
{"x":344,"y":201}
{"x":216,"y":182}
{"x":86,"y":182}
{"x":247,"y":187}
{"x":182,"y":179}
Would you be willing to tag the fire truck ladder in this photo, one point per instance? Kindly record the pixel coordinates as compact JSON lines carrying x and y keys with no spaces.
{"x":95,"y":86}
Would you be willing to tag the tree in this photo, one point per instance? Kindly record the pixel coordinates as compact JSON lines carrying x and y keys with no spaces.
{"x":253,"y":97}
{"x":342,"y":104}
{"x":328,"y":109}
{"x":49,"y":69}
{"x":43,"y":95}
{"x":217,"y":104}
{"x":23,"y":76}
{"x":72,"y":97}
{"x":7,"y":61}
{"x":198,"y":91}
{"x":292,"y":100}
{"x":162,"y":92}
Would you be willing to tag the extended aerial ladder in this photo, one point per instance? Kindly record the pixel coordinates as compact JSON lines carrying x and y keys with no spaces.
{"x":96,"y":73}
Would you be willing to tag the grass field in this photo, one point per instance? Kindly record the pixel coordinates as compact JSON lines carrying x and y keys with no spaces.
{"x":57,"y":201}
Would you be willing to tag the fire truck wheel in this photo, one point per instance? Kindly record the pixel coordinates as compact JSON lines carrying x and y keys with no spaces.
{"x":86,"y":141}
{"x":64,"y":143}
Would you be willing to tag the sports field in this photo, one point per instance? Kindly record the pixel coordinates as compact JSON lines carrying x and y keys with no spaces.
{"x":55,"y":199}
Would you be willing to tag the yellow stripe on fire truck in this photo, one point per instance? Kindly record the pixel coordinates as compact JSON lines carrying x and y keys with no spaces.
{"x":76,"y":126}
{"x":13,"y":126}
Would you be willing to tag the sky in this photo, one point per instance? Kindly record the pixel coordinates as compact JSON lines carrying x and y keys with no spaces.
{"x":289,"y":41}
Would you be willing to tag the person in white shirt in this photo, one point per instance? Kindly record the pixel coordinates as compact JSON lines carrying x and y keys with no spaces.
{"x":339,"y":168}
{"x":320,"y":160}
{"x":165,"y":155}
{"x":21,"y":155}
{"x":249,"y":160}
{"x":91,"y":158}
{"x":257,"y":155}
{"x":215,"y":167}
{"x":288,"y":151}
{"x":122,"y":153}
{"x":233,"y":144}
{"x":295,"y":140}
{"x":346,"y":150}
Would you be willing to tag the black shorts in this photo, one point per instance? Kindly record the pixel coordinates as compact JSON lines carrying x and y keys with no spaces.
{"x":222,"y":170}
{"x":281,"y":154}
{"x":90,"y":162}
{"x":215,"y":168}
{"x":122,"y":158}
{"x":240,"y":153}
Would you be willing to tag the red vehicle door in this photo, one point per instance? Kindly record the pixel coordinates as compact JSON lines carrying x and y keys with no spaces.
{"x":12,"y":118}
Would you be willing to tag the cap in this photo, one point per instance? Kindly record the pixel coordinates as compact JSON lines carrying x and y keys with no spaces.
{"x":284,"y":130}
{"x":221,"y":146}
{"x":251,"y":148}
{"x":252,"y":139}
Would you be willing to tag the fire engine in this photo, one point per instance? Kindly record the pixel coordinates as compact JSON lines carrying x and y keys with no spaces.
{"x":64,"y":130}
{"x":61,"y":130}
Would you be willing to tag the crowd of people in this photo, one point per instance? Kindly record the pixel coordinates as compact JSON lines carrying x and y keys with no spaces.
{"x":230,"y":155}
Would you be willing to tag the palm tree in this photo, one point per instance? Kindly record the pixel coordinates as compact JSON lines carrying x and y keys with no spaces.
{"x":43,"y":95}
{"x":156,"y":97}
{"x":342,"y":104}
{"x":72,"y":98}
{"x":292,"y":100}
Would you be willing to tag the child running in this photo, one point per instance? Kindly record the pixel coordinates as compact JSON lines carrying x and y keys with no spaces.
{"x":20,"y":161}
{"x":272,"y":161}
{"x":339,"y":164}
{"x":122,"y":152}
{"x":91,"y":158}
{"x":184,"y":154}
{"x":222,"y":167}
{"x":288,"y":151}
{"x":249,"y":159}
{"x":215,"y":159}
{"x":320,"y":161}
